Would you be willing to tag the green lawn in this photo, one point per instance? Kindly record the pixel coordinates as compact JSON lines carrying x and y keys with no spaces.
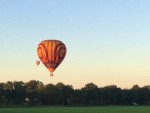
{"x":114,"y":109}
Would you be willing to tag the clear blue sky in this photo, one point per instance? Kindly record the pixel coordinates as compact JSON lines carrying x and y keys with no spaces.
{"x":108,"y":41}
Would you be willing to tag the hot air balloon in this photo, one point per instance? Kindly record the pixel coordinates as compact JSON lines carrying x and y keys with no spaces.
{"x":37,"y":62}
{"x":51,"y":53}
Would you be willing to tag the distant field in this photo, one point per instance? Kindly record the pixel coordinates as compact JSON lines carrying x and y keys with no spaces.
{"x":115,"y":109}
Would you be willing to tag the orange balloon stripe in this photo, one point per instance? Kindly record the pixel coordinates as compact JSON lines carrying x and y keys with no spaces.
{"x":52,"y":43}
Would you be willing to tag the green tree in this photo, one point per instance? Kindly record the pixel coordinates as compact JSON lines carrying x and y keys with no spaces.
{"x":49,"y":94}
{"x":18,"y":92}
{"x":111,"y":95}
{"x":90,"y":94}
{"x":33,"y":89}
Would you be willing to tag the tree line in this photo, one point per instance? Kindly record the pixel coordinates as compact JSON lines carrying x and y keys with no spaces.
{"x":36,"y":93}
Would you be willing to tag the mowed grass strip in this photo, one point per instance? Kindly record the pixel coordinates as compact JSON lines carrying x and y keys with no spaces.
{"x":109,"y":109}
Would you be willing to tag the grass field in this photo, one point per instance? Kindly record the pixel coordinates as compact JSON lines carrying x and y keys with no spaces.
{"x":114,"y":109}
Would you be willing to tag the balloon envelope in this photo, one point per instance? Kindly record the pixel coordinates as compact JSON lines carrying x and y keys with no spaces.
{"x":51,"y":53}
{"x":37,"y":62}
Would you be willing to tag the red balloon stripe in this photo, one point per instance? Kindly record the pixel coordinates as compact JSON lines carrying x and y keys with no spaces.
{"x":43,"y":54}
{"x":57,"y":51}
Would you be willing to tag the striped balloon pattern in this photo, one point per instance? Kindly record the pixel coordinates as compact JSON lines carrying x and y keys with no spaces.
{"x":51,"y":53}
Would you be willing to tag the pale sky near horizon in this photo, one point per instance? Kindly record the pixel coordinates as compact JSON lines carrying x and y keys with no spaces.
{"x":108,"y":41}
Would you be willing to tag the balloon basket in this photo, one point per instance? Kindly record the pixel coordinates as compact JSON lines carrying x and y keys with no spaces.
{"x":51,"y":74}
